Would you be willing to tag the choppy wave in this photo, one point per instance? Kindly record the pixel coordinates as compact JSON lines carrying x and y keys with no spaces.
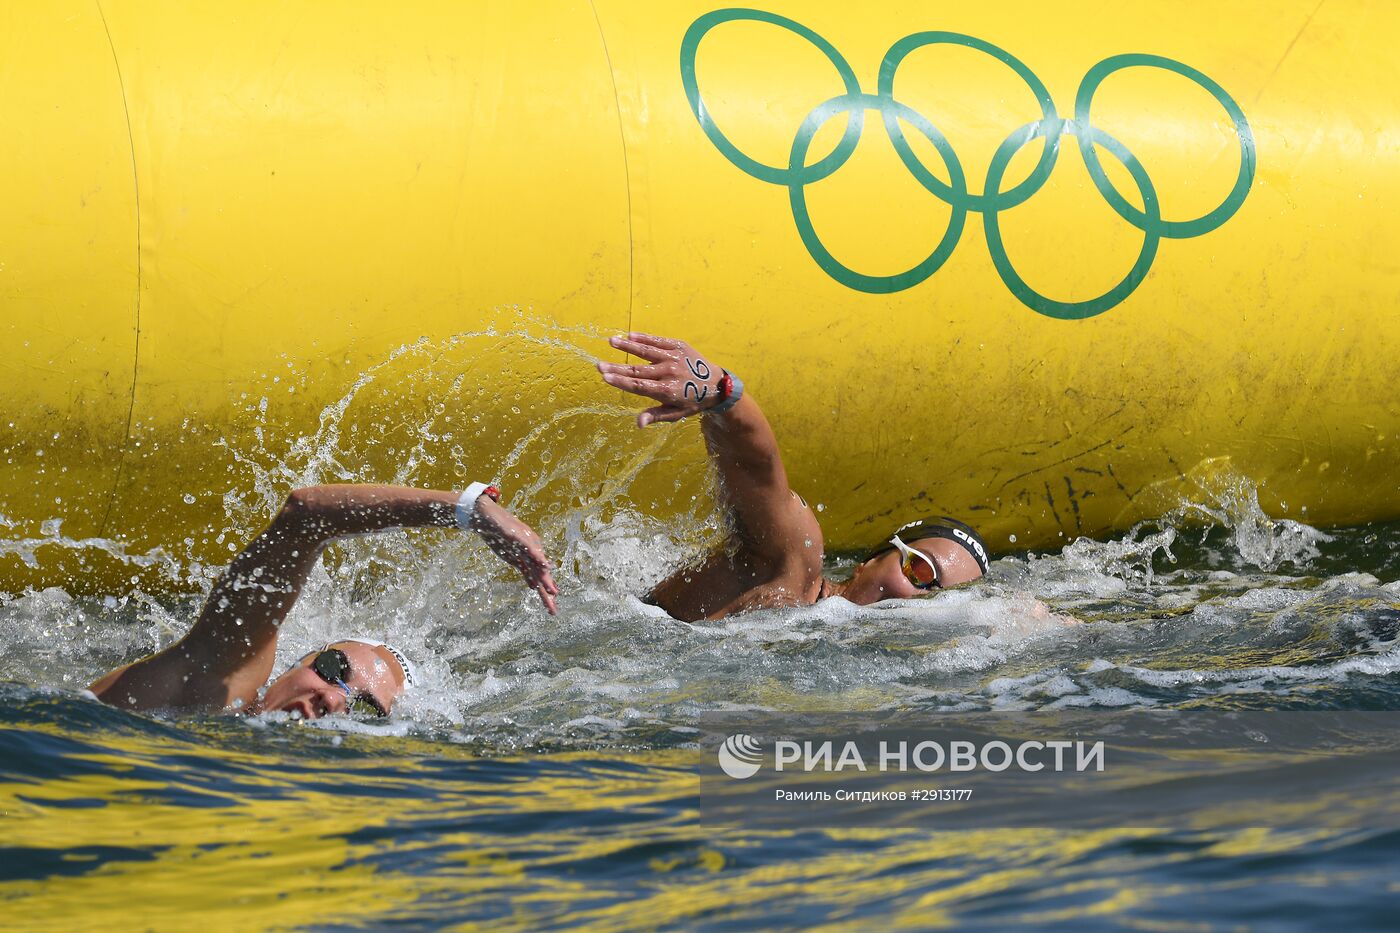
{"x":133,"y":821}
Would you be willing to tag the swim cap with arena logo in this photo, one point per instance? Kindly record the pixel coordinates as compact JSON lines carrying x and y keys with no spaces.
{"x":410,"y":673}
{"x":943,"y":527}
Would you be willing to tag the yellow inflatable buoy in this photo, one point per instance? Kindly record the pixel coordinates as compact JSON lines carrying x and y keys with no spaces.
{"x":1023,"y":264}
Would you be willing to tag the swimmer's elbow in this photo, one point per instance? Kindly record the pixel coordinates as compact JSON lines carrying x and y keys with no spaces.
{"x":298,"y":505}
{"x":299,"y":512}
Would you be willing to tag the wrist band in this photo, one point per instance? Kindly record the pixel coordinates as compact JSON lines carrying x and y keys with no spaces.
{"x":466,"y":503}
{"x":731,"y":389}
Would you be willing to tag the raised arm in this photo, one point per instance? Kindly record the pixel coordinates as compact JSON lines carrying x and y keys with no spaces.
{"x":770,"y":521}
{"x":228,"y":653}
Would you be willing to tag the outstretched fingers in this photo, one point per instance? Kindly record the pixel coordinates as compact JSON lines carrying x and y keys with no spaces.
{"x":655,"y":371}
{"x":647,"y":387}
{"x":651,"y":340}
{"x":535,"y":567}
{"x":646,"y":351}
{"x":661,"y":381}
{"x":516,"y":543}
{"x":543,"y":583}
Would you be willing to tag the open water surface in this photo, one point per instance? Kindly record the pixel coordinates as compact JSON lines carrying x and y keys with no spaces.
{"x":544,"y":776}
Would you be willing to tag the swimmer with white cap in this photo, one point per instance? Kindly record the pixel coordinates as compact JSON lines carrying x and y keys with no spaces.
{"x":775,"y":549}
{"x":225,"y":660}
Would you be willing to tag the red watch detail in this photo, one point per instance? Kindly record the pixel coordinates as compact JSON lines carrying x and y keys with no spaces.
{"x":726,"y":387}
{"x":492,"y":492}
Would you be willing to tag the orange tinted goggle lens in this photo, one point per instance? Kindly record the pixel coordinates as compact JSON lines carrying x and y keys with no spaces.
{"x":918,"y":572}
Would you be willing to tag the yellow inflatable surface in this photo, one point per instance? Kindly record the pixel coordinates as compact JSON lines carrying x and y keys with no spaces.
{"x":1021,"y":263}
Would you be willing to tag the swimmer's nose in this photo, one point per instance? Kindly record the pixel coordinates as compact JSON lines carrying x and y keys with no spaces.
{"x":331,"y":699}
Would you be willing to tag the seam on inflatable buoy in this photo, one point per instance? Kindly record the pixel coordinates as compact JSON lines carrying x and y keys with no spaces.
{"x":626,"y":169}
{"x":136,"y":349}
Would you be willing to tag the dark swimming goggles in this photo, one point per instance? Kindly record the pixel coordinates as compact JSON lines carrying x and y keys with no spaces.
{"x":332,"y":666}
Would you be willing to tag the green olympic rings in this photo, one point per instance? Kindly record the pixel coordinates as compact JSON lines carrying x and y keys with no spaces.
{"x":797,"y":192}
{"x":1178,"y":229}
{"x":1152,"y":214}
{"x":992,"y":200}
{"x":977,"y":202}
{"x":775,"y":176}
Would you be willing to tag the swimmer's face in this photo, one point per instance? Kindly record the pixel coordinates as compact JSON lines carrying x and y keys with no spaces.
{"x":880,"y":577}
{"x":374,"y":674}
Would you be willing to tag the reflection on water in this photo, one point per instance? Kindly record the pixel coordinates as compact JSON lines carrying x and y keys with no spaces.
{"x":116,"y":816}
{"x":543,"y":775}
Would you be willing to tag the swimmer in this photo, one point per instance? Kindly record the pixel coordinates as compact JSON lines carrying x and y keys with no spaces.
{"x":774,"y":555}
{"x":226,"y":658}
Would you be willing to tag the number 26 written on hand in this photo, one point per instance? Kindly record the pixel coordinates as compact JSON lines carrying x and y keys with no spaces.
{"x":700,"y":370}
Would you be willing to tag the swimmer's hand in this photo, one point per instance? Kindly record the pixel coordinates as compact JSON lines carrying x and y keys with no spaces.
{"x":1041,"y":612}
{"x":517,"y":544}
{"x":684,"y":382}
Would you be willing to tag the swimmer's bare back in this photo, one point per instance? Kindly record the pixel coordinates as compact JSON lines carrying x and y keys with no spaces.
{"x":227,"y":656}
{"x":774,"y":555}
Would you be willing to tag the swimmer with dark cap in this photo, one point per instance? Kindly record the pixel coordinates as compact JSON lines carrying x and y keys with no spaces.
{"x":225,"y":660}
{"x":774,"y":556}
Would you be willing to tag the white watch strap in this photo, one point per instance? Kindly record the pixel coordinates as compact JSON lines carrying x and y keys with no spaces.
{"x":466,"y":504}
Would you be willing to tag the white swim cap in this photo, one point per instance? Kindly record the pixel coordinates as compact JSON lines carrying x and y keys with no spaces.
{"x":410,"y":673}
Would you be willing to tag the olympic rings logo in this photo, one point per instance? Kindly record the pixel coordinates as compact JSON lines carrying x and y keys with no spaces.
{"x":992,"y":200}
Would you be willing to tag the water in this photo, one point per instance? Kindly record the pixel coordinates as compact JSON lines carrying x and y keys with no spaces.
{"x":543,"y":777}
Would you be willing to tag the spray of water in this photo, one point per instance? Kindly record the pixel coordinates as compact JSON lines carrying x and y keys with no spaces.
{"x":1199,"y":590}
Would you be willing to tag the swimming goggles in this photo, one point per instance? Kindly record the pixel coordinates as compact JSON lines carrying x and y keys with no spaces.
{"x":919,"y":569}
{"x":332,"y":666}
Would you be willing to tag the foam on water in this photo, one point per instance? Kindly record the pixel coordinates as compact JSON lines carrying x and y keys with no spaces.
{"x":611,"y":670}
{"x":1214,"y":602}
